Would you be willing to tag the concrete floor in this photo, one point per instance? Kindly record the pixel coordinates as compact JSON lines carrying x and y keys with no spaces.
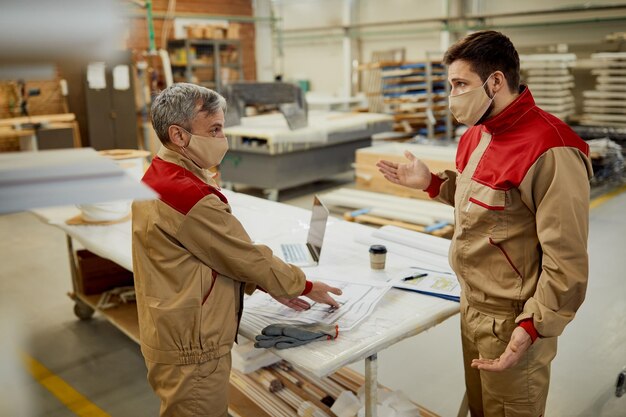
{"x":96,"y":359}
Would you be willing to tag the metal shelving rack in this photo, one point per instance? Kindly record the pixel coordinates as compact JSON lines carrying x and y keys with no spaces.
{"x":213,"y":48}
{"x":415,"y":93}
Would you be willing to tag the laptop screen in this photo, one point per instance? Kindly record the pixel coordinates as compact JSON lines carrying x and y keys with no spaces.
{"x":319,"y":218}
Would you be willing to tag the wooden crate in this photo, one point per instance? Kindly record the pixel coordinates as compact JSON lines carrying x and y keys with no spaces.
{"x":97,"y":274}
{"x":9,"y":143}
{"x":49,"y":101}
{"x":368,"y":178}
{"x":233,"y":31}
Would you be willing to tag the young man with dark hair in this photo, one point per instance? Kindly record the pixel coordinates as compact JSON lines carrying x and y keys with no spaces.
{"x":521,"y":198}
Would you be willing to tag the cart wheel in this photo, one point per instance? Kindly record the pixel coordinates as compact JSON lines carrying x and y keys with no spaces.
{"x":83,"y":311}
{"x":620,"y":385}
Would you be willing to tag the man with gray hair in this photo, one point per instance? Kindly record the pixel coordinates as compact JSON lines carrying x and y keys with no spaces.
{"x":193,"y":260}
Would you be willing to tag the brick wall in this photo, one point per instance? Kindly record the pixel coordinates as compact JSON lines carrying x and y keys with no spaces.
{"x":138,"y":36}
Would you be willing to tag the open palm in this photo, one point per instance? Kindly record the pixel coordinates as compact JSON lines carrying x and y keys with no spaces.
{"x":413,"y":174}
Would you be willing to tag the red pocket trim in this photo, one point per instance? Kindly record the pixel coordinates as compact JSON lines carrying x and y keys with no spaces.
{"x":487,"y":206}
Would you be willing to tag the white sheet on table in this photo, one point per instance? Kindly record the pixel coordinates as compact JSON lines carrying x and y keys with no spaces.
{"x":356,"y":303}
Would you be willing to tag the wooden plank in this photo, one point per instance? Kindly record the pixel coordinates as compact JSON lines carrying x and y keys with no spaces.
{"x":300,"y":391}
{"x":124,"y":316}
{"x":445,"y":231}
{"x":49,"y":118}
{"x":239,"y":405}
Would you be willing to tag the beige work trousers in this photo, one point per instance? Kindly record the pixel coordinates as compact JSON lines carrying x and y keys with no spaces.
{"x":198,"y":390}
{"x":517,"y":392}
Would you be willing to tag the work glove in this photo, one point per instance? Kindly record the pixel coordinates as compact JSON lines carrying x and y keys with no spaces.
{"x":284,"y":336}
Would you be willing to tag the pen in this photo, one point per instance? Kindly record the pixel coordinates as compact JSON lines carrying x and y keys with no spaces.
{"x":415,"y":277}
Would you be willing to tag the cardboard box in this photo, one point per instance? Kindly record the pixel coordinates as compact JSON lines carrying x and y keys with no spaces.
{"x":97,"y":274}
{"x":195,"y":31}
{"x":214,"y":32}
{"x":233,"y":31}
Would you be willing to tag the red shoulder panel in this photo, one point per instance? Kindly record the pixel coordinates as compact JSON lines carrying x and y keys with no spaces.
{"x":179,"y":188}
{"x":519,"y":136}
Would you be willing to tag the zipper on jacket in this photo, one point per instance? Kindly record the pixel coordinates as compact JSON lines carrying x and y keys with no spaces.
{"x":506,"y":255}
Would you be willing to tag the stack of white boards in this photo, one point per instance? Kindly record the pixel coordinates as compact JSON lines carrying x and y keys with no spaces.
{"x":409,"y":210}
{"x":551,"y":82}
{"x":606,"y":105}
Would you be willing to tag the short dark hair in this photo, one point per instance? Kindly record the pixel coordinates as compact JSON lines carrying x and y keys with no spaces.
{"x":487,"y":51}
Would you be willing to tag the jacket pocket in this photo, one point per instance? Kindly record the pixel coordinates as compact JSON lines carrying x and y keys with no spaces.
{"x":506,"y":256}
{"x":484,"y":212}
{"x":175,"y":324}
{"x":503,"y":329}
{"x":219,"y":314}
{"x":207,"y":282}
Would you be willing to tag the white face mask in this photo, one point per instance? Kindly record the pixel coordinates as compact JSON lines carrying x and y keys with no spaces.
{"x":205,"y":151}
{"x":469,"y":107}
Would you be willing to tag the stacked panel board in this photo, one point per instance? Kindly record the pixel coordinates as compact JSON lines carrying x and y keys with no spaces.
{"x":550,"y":79}
{"x":606,"y":104}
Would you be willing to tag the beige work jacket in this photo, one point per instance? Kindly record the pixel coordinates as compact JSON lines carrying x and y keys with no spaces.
{"x":192,"y":260}
{"x":521,"y":198}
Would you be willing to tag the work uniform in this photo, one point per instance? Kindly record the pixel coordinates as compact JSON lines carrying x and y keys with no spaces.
{"x":192,"y":261}
{"x":521,"y":198}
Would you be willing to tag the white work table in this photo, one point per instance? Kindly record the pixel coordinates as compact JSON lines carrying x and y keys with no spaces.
{"x":400,"y":314}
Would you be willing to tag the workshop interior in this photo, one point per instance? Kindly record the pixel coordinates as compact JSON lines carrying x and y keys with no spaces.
{"x":317,"y":93}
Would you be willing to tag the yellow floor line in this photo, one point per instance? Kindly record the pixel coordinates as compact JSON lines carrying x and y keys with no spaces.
{"x":606,"y":197}
{"x":71,"y":398}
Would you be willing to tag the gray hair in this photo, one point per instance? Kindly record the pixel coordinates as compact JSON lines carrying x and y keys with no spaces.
{"x":179,"y":104}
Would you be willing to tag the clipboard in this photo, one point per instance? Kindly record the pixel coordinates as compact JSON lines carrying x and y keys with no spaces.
{"x":439,"y":284}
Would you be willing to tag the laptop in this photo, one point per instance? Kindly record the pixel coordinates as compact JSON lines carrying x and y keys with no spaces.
{"x":308,"y":254}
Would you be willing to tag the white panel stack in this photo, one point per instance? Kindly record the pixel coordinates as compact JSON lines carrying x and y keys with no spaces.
{"x":550,"y":79}
{"x":606,"y":105}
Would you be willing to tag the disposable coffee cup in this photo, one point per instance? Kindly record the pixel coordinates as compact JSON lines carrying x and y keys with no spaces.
{"x":378,"y":254}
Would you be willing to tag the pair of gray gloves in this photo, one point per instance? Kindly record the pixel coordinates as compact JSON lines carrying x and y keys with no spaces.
{"x":284,"y":336}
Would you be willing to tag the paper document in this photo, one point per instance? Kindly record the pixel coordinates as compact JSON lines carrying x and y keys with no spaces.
{"x":96,"y":76}
{"x":441,"y":284}
{"x":356,"y":303}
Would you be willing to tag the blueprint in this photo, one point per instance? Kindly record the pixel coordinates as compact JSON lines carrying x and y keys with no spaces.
{"x":355,"y":304}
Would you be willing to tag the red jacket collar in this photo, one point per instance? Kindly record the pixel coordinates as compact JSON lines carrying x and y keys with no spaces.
{"x":511,"y":114}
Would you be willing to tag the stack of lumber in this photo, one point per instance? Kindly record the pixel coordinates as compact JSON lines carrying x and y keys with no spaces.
{"x":550,"y":79}
{"x":371,"y":81}
{"x":438,"y":158}
{"x":282,"y":391}
{"x":372,"y":86}
{"x":415,"y":94}
{"x":383,"y":210}
{"x":606,"y":105}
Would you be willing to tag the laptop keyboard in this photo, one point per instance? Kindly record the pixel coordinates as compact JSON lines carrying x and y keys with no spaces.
{"x":294,"y":253}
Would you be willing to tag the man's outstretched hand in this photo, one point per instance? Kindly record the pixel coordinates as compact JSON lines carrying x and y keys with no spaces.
{"x":320,"y":294}
{"x":297,"y":303}
{"x":413,"y":174}
{"x":518,"y":345}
